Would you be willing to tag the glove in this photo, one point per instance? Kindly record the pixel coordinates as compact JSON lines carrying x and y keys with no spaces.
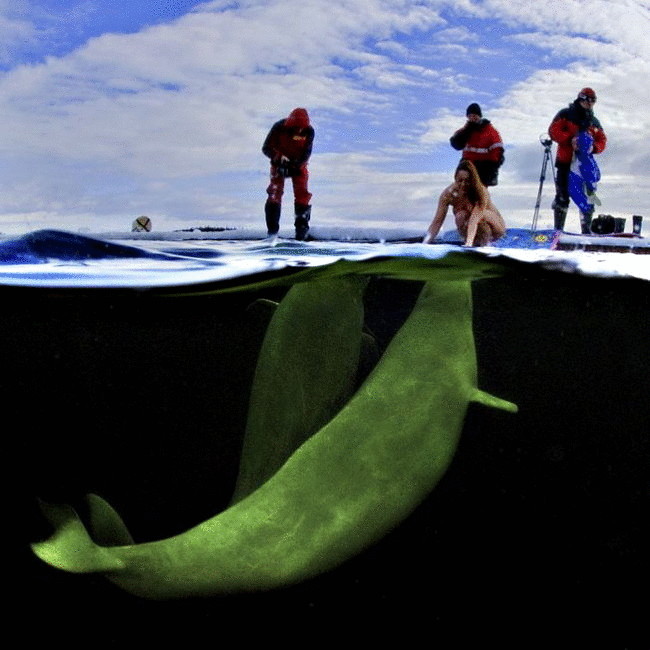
{"x":284,"y":169}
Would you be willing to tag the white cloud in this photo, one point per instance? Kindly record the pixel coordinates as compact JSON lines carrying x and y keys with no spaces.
{"x":455,"y":35}
{"x":170,"y":120}
{"x":191,"y":99}
{"x":232,"y":69}
{"x":606,"y":47}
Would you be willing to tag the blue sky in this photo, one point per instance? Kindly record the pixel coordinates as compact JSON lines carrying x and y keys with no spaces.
{"x":116,"y":109}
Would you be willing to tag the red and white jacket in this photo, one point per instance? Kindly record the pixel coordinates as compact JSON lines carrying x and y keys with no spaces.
{"x":567,"y":124}
{"x":480,"y":141}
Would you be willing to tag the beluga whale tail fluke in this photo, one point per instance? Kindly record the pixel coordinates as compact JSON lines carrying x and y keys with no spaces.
{"x":71,"y":547}
{"x":319,"y":481}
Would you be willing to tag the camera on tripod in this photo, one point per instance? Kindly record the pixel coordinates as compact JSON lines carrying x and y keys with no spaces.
{"x":546,"y":142}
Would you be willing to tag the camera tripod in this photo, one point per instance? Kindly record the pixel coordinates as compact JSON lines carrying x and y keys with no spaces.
{"x":546,"y":142}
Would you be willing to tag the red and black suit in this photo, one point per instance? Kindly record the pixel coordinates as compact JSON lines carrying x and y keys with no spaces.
{"x":288,"y":145}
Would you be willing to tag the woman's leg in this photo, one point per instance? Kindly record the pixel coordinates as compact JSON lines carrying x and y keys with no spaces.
{"x":472,"y":227}
{"x":483,"y":227}
{"x":462,"y":223}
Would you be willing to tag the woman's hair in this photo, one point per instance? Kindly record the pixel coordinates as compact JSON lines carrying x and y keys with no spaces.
{"x":477,"y":194}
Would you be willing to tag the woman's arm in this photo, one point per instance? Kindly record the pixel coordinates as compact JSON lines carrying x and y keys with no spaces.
{"x":439,"y":217}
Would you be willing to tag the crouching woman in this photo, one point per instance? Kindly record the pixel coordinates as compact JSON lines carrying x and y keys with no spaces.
{"x":478,"y":221}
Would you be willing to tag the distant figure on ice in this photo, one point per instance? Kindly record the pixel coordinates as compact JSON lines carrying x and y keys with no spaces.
{"x":480,"y":143}
{"x":288,"y":145}
{"x":565,"y":128}
{"x":477,"y":219}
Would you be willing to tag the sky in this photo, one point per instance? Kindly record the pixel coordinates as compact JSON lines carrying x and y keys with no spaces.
{"x":112,"y":109}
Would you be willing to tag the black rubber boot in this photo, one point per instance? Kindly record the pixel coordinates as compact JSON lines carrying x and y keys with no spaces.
{"x":303,"y":214}
{"x":585,"y":222}
{"x":272,"y":213}
{"x":559,"y":216}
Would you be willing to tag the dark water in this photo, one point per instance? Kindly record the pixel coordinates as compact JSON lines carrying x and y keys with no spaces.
{"x":537,"y":528}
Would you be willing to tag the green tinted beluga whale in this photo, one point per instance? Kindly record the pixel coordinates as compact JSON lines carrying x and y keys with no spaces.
{"x":324,"y":474}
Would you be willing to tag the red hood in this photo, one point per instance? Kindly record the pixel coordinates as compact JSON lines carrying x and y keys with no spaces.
{"x":298,"y":118}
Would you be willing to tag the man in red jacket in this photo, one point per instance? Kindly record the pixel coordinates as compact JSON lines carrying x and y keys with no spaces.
{"x":564,"y":129}
{"x":288,"y":145}
{"x":480,"y":143}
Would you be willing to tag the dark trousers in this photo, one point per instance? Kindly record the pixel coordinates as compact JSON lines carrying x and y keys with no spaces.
{"x":562,"y":185}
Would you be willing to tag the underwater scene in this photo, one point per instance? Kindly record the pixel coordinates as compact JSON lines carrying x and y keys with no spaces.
{"x":415,"y":438}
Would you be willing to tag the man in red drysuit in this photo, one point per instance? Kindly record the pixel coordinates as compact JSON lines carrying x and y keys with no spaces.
{"x":288,"y":145}
{"x":564,"y":129}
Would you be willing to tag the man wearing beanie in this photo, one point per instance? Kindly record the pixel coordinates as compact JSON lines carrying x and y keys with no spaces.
{"x":288,"y":145}
{"x":564,"y":129}
{"x":481,"y":143}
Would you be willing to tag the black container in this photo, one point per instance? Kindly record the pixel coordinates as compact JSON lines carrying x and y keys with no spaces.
{"x":603,"y":224}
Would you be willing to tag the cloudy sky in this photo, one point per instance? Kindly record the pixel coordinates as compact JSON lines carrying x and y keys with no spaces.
{"x":113,"y":109}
